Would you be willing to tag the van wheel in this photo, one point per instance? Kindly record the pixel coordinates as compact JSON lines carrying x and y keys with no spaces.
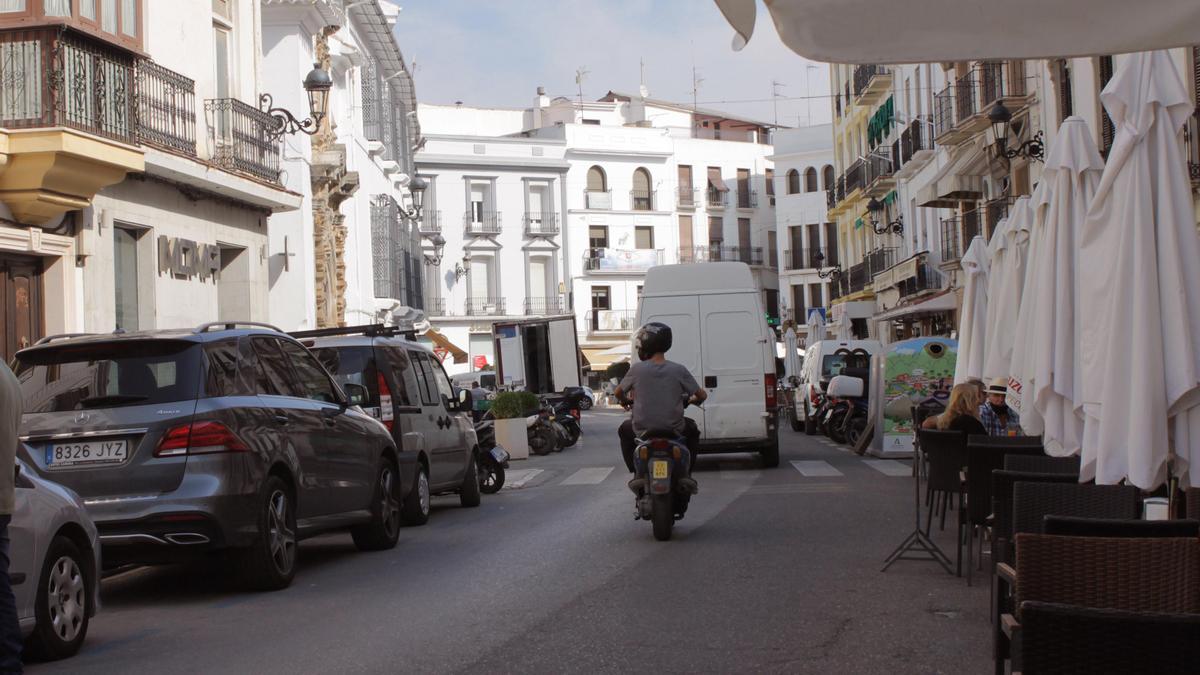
{"x":770,"y":454}
{"x":794,"y":420}
{"x":810,"y":424}
{"x":382,"y":532}
{"x":416,"y":504}
{"x":270,"y":562}
{"x":62,"y":604}
{"x":468,"y":495}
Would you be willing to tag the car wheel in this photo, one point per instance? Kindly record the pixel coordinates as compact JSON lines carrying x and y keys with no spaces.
{"x":270,"y":563}
{"x":585,"y":403}
{"x":468,"y":495}
{"x":770,"y":454}
{"x":62,"y":604}
{"x":810,"y":423}
{"x":384,"y":529}
{"x":416,"y":504}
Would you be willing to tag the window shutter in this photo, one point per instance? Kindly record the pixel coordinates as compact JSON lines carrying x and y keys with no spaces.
{"x":1108,"y":131}
{"x":1065,"y":101}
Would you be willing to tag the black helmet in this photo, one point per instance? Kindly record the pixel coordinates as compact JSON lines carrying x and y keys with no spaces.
{"x":651,"y":339}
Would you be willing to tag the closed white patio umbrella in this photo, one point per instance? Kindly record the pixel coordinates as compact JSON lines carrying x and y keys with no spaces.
{"x":972,"y":318}
{"x":842,"y":328}
{"x":816,"y":328}
{"x":791,"y":360}
{"x":1020,"y":389}
{"x":1006,"y":278}
{"x":1139,"y":283}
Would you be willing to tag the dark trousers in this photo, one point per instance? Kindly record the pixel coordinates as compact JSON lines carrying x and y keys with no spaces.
{"x":10,"y":626}
{"x":691,"y":435}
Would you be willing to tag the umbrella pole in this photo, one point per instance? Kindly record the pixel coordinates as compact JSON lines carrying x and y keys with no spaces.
{"x":918,"y":543}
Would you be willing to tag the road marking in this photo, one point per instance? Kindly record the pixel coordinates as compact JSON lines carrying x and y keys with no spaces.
{"x":517,"y":478}
{"x":815,"y":468}
{"x":889,"y":467}
{"x":589,"y":476}
{"x":734,"y":473}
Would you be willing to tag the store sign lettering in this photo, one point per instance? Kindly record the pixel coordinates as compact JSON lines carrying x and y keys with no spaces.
{"x":185,"y":258}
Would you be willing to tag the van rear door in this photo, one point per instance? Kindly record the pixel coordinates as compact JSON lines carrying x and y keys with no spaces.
{"x":734,"y":371}
{"x":682,"y":314}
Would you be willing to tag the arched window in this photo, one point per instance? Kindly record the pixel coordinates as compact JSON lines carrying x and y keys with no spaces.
{"x":810,"y":179}
{"x":827,"y":176}
{"x":597,"y":181}
{"x":642,"y":197}
{"x":793,"y":182}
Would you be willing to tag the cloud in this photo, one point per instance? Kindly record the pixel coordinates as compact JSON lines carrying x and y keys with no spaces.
{"x":498,"y":53}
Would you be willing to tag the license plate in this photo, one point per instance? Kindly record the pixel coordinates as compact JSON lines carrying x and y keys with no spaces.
{"x":86,"y":453}
{"x":500,"y":454}
{"x":659,"y":469}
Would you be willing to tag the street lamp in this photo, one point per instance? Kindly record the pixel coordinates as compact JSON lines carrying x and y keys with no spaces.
{"x":416,"y":190}
{"x":834,"y":272}
{"x":1001,"y":119}
{"x":462,"y":269}
{"x":439,"y":246}
{"x":317,"y":83}
{"x":895,"y":227}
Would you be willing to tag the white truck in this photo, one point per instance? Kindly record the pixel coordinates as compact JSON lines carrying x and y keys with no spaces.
{"x":537,"y":355}
{"x":720,"y":334}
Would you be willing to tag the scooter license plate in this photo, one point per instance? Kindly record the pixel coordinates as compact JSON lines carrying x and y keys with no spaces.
{"x":499,"y":454}
{"x":659,"y":469}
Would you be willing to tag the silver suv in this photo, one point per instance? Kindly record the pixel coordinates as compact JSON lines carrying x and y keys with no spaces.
{"x":408,"y":391}
{"x":229,"y":436}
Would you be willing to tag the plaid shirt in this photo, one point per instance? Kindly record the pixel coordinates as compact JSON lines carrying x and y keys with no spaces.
{"x":995,"y":426}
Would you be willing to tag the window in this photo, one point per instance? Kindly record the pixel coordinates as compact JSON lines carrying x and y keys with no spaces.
{"x":772,"y":249}
{"x":108,"y":16}
{"x":827,"y":176}
{"x":639,"y":291}
{"x":601,"y":298}
{"x":421,"y":370}
{"x":798,"y":307}
{"x":443,"y":382}
{"x":229,"y":371}
{"x":273,"y":376}
{"x":221,"y":61}
{"x":597,"y":181}
{"x":771,"y":186}
{"x":1066,"y":97}
{"x":129,"y":17}
{"x":404,"y":387}
{"x":687,"y":193}
{"x":598,"y":236}
{"x":1108,"y":132}
{"x":125,"y":265}
{"x":643,"y":197}
{"x":591,"y":122}
{"x":831,"y":244}
{"x":796,"y":241}
{"x":87,"y":9}
{"x":793,"y":182}
{"x":57,"y":7}
{"x":643,"y":237}
{"x":8,"y":6}
{"x":314,"y":382}
{"x":744,"y":240}
{"x":814,"y":296}
{"x":743,"y":187}
{"x":810,"y":179}
{"x":716,"y":230}
{"x":685,"y":236}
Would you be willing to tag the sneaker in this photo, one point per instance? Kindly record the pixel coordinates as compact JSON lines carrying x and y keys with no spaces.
{"x":637,"y":485}
{"x":689,"y":485}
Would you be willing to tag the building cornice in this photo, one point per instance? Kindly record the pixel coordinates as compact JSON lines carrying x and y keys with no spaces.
{"x":502,"y":163}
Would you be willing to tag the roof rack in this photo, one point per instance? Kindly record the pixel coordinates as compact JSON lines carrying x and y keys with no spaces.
{"x":367,"y":330}
{"x":60,"y":336}
{"x":231,"y":325}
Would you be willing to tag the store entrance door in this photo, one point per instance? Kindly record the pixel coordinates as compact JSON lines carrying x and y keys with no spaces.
{"x":22,"y":317}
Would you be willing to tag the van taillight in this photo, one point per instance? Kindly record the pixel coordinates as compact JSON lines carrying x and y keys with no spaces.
{"x":769,"y":388}
{"x":386,"y":414}
{"x":198,"y":438}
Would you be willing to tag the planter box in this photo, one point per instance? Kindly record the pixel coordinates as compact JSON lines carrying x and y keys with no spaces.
{"x":512,"y":436}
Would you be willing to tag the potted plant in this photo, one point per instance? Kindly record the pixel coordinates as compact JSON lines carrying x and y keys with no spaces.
{"x":510,"y":408}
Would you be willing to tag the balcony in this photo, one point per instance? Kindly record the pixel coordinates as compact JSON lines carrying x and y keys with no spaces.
{"x":952,"y":249}
{"x":435,"y":306}
{"x":611,"y":321}
{"x":598,"y":199}
{"x":807,"y":258}
{"x":642,"y":200}
{"x":481,"y":223}
{"x":241,"y":140}
{"x":747,"y":199}
{"x":961,"y":110}
{"x":971,"y":221}
{"x":879,"y":173}
{"x":916,"y":148}
{"x":1001,"y":82}
{"x":927,"y":279}
{"x":718,"y":199}
{"x":831,"y":199}
{"x":871,"y":83}
{"x":541,"y":223}
{"x":543,"y":306}
{"x":485,"y":307}
{"x":619,"y":261}
{"x":166,"y":116}
{"x":751,"y":255}
{"x":431,"y":222}
{"x":687,"y":197}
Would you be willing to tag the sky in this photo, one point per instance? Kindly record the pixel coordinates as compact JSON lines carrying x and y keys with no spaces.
{"x":498,"y":52}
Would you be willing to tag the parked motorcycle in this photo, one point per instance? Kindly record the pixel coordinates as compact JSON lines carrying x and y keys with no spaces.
{"x":567,"y":416}
{"x":543,"y":437}
{"x":493,"y":459}
{"x":849,"y":411}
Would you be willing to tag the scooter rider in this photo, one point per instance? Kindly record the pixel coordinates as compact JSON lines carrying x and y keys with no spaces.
{"x":660,"y":389}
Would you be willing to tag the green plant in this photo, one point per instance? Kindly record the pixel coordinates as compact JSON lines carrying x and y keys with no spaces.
{"x":511,"y":404}
{"x":617,"y":370}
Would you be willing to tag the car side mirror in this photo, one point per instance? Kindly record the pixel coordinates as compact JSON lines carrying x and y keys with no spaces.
{"x":356,"y":394}
{"x":465,"y":399}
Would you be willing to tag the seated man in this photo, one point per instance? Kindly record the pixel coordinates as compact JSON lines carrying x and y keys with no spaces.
{"x":661,"y":390}
{"x":997,"y":417}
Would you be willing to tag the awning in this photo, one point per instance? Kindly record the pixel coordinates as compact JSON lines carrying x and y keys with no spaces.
{"x":441,"y":342}
{"x":954,"y":182}
{"x":600,"y":358}
{"x":715,"y":180}
{"x":925,"y":31}
{"x":946,"y":302}
{"x":896,"y":274}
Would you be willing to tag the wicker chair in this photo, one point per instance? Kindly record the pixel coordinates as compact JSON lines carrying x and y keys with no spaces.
{"x":1042,"y":464}
{"x":946,"y":454}
{"x":985,"y":454}
{"x":1192,"y":497}
{"x":1003,"y":482}
{"x":1073,"y":526}
{"x":1144,"y":575}
{"x":1060,"y":638}
{"x":1032,"y":502}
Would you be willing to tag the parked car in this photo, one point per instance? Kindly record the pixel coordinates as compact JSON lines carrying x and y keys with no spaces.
{"x":583,"y":397}
{"x":408,"y":391}
{"x":226,"y":437}
{"x":721,"y":335}
{"x":485,"y":378}
{"x":54,"y":566}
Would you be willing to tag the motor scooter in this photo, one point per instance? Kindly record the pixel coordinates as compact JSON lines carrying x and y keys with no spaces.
{"x":493,"y":459}
{"x":659,"y":465}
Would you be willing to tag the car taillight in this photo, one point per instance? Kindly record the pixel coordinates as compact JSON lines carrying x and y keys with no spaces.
{"x":386,"y":414}
{"x":198,"y":438}
{"x":769,"y":389}
{"x":813,"y":396}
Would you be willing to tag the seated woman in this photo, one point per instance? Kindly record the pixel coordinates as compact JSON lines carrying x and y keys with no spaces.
{"x":961,"y":412}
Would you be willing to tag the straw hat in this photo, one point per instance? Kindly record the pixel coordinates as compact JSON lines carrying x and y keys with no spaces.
{"x":998,"y":386}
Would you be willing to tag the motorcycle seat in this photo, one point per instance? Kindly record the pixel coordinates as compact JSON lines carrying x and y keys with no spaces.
{"x":668,"y":434}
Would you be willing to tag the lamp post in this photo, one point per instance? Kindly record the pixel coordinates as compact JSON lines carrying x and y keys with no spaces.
{"x":1001,"y":118}
{"x":462,"y":269}
{"x":317,"y":83}
{"x":833,"y":272}
{"x":874,"y":207}
{"x":439,"y":247}
{"x":416,"y":191}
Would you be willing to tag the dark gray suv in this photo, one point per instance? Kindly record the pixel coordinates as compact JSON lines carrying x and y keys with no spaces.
{"x":229,"y":436}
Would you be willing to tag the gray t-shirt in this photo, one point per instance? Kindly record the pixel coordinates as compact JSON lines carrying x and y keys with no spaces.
{"x":658,"y":394}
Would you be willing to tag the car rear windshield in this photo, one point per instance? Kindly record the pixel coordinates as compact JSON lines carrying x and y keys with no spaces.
{"x":109,"y":374}
{"x":834,"y":364}
{"x":351,"y":365}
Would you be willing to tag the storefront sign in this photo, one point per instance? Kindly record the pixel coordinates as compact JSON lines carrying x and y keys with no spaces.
{"x":185,"y":258}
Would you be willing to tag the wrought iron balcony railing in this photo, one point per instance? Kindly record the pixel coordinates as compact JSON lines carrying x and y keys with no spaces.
{"x":917,"y":137}
{"x":747,"y":199}
{"x":541,"y":223}
{"x":951,"y":240}
{"x":810,"y":258}
{"x":611,"y":321}
{"x":543,"y":306}
{"x":486,"y":306}
{"x":166,"y":113}
{"x":994,"y":211}
{"x":241,"y":140}
{"x":435,"y":306}
{"x":864,"y":76}
{"x":642,"y":200}
{"x":620,"y":261}
{"x":431,"y":221}
{"x":943,"y":111}
{"x":751,"y":255}
{"x":481,"y":222}
{"x":688,"y":197}
{"x":718,"y":198}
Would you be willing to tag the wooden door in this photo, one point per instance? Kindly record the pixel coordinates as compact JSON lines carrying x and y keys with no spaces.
{"x":22,"y":321}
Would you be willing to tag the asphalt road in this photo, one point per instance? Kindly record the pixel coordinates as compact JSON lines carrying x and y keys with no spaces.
{"x":771,"y":571}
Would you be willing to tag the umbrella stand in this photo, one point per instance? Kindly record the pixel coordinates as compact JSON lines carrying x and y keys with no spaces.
{"x":918,"y":545}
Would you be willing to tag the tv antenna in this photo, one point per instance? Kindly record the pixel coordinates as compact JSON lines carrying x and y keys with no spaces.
{"x":775,"y":85}
{"x":580,"y":74}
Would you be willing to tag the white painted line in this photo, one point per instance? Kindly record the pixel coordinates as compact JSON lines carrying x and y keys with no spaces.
{"x":815,"y":468}
{"x":517,"y":478}
{"x":589,"y":476}
{"x":889,"y":467}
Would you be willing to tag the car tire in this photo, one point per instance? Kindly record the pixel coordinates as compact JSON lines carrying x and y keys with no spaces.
{"x":797,"y":425}
{"x":270,"y":562}
{"x":63,"y":603}
{"x":383,"y":531}
{"x":416,"y":504}
{"x":770,"y":454}
{"x":469,"y":495}
{"x":810,"y":423}
{"x":585,"y":403}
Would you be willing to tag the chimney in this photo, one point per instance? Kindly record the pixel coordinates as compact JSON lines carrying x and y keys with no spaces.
{"x":540,"y":103}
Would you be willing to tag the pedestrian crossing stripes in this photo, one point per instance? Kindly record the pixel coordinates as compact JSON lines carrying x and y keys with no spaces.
{"x":589,"y":476}
{"x":518,"y":478}
{"x":889,"y":467}
{"x":816,"y":469}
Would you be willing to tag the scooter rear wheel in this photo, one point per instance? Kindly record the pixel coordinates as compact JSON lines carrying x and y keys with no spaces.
{"x":491,"y":476}
{"x":543,"y":440}
{"x":662,"y":515}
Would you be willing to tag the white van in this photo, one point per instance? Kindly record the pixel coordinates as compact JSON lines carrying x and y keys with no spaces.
{"x":823,"y":361}
{"x":720,"y":334}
